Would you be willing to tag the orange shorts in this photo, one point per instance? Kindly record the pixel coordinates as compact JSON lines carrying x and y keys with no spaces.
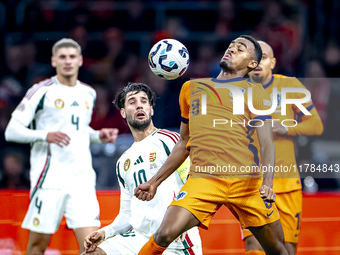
{"x":204,"y":196}
{"x":290,"y":207}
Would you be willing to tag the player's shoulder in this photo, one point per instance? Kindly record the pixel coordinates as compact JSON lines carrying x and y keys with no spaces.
{"x":287,"y":81}
{"x":123,"y":161}
{"x":167,"y":135}
{"x":199,"y":81}
{"x":39,"y":88}
{"x":86,"y":86}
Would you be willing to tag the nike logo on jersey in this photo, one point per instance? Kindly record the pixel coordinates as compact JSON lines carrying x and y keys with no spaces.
{"x":139,"y":160}
{"x":268,"y":214}
{"x":75,"y":103}
{"x":193,"y":93}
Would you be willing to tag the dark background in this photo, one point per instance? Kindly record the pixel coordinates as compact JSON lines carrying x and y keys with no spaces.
{"x":116,"y":37}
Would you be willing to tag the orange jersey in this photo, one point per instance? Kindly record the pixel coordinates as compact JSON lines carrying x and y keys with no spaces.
{"x":219,"y":138}
{"x":284,"y":144}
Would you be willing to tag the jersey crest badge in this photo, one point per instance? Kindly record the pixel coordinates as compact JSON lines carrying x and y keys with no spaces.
{"x":152,"y":159}
{"x":278,"y":99}
{"x":152,"y":156}
{"x":36,"y":222}
{"x":127,"y":164}
{"x":59,"y":103}
{"x":87,"y":105}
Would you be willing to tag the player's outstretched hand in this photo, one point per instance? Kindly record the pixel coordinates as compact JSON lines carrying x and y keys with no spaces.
{"x":267,"y":194}
{"x":59,"y":138}
{"x":93,"y":240}
{"x":145,"y":191}
{"x":108,"y":135}
{"x":181,"y":237}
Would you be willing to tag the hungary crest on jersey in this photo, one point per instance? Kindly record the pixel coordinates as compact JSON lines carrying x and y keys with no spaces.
{"x":152,"y":159}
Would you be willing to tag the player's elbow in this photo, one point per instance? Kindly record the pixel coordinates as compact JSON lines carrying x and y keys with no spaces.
{"x":8,"y":134}
{"x":319,"y":128}
{"x":11,"y":131}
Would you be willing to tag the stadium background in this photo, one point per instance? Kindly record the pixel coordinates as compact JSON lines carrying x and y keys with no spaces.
{"x":116,"y":37}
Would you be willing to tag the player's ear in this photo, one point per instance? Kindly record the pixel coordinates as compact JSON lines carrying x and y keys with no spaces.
{"x":151,"y":111}
{"x":252,"y":64}
{"x":122,"y":112}
{"x":53,"y":62}
{"x":272,"y":63}
{"x":81,"y":60}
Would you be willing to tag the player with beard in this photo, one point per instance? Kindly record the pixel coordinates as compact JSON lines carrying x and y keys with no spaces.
{"x":246,"y":194}
{"x":138,"y":164}
{"x":287,"y":185}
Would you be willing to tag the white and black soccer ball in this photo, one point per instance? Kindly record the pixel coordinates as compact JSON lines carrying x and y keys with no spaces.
{"x":169,"y":59}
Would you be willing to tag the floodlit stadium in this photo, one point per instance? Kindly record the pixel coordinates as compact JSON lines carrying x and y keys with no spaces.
{"x":60,"y":113}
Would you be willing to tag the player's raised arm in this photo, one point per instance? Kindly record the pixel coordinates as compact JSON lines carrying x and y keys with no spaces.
{"x":147,"y":190}
{"x":265,"y":136}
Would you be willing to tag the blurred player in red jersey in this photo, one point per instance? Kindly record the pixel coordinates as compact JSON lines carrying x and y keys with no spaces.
{"x":287,"y":185}
{"x":247,"y":195}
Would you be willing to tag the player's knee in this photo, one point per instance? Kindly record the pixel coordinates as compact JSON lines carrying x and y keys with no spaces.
{"x":36,"y":249}
{"x":164,"y":237}
{"x":276,"y":248}
{"x":252,"y":244}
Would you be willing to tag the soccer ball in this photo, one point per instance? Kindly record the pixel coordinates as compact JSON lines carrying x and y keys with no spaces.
{"x":169,"y":59}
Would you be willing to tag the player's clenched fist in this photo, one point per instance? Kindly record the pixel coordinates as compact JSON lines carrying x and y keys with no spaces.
{"x":59,"y":138}
{"x":108,"y":135}
{"x":279,"y":128}
{"x":93,"y":240}
{"x":145,"y":191}
{"x":267,"y":194}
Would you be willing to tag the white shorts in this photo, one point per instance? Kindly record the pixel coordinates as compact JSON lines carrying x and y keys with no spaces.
{"x":47,"y":207}
{"x":131,"y":242}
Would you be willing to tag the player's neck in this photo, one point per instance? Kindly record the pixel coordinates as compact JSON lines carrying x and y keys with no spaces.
{"x":139,"y":135}
{"x":68,"y":81}
{"x":263,"y":80}
{"x":227,"y":74}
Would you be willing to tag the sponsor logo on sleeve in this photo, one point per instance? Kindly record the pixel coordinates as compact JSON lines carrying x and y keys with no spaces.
{"x":21,"y":107}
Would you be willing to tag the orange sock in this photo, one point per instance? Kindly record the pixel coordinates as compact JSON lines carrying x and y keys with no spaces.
{"x":255,"y":253}
{"x":151,"y":248}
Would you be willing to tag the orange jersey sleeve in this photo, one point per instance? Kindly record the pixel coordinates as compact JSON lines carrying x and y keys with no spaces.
{"x":310,"y":124}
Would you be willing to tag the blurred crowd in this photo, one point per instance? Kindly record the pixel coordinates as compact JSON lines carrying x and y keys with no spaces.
{"x":115,"y":37}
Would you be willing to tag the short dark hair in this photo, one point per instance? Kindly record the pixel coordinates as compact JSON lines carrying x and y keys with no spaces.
{"x":138,"y":87}
{"x":257,"y":51}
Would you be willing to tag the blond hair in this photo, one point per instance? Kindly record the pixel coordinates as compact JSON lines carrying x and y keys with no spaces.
{"x":65,"y":43}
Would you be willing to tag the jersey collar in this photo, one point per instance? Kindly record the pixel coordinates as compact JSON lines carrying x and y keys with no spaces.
{"x":269,"y":83}
{"x":266,"y":85}
{"x":229,"y":80}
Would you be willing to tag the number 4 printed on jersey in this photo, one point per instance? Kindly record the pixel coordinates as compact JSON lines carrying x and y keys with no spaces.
{"x":75,"y":121}
{"x":38,"y":205}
